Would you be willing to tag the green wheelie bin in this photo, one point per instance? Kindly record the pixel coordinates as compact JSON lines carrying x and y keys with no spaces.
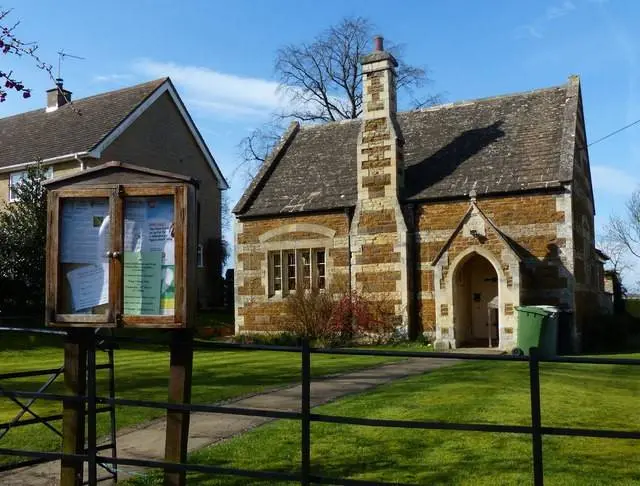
{"x":537,"y":328}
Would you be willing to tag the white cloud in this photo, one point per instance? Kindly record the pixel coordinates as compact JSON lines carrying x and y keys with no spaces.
{"x":111,"y":78}
{"x":561,"y":10}
{"x":613,"y":181}
{"x":215,"y":92}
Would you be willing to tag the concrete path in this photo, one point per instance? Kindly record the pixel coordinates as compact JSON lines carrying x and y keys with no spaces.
{"x":147,"y":441}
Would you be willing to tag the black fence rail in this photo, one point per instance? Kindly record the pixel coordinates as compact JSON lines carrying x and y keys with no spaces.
{"x":91,"y":402}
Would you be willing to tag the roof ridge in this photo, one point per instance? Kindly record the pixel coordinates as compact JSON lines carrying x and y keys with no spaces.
{"x":515,"y":94}
{"x":330,"y":124}
{"x":441,"y":106}
{"x":157,"y":81}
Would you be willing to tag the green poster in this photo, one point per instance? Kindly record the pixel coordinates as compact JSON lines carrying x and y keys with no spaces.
{"x":142,"y":280}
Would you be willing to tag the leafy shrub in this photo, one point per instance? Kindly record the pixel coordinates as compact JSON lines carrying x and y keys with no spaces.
{"x":329,"y":319}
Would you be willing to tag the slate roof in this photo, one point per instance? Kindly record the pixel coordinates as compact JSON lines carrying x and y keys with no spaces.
{"x":38,"y":135}
{"x":495,"y":145}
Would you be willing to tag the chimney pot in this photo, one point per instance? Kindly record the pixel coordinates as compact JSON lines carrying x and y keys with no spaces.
{"x":379,"y":43}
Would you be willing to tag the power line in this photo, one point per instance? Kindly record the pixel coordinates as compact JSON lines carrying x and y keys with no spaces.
{"x":614,"y":132}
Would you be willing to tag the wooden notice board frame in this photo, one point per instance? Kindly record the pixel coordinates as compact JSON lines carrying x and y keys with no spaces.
{"x":116,"y":182}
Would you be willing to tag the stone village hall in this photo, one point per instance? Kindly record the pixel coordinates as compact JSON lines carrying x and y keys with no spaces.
{"x":455,"y":214}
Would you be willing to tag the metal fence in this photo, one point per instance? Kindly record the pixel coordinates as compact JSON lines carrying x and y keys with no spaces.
{"x":305,"y":477}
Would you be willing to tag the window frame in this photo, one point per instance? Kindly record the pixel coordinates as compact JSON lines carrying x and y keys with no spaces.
{"x":22,"y":173}
{"x":115,"y":316}
{"x":298,"y":266}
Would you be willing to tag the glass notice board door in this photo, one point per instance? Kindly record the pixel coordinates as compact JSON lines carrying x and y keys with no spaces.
{"x":149,"y":256}
{"x":119,"y":257}
{"x":83,"y":270}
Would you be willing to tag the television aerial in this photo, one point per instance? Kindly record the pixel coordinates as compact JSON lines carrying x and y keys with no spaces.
{"x":61,"y":57}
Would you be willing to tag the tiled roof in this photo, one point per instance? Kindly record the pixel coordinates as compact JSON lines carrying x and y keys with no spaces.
{"x":38,"y":135}
{"x":494,"y":145}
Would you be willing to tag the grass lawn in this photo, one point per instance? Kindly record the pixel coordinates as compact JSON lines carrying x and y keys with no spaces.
{"x":597,"y":396}
{"x":143,"y":374}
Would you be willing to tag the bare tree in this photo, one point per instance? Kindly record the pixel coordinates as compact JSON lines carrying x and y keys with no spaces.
{"x":617,"y":253}
{"x":322,"y":78}
{"x":255,"y":148}
{"x":322,"y":82}
{"x":625,"y":230}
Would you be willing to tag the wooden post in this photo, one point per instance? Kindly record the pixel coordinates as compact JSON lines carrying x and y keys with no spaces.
{"x":177,"y":437}
{"x":75,"y":380}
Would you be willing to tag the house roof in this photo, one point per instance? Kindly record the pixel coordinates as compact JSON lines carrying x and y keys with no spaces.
{"x":495,"y":145}
{"x":85,"y":127}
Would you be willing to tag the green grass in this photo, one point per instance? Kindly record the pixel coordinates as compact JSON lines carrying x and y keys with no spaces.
{"x":594,"y":396}
{"x":140,"y":374}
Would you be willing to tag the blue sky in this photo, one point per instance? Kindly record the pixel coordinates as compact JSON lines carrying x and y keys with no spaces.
{"x":220,"y":55}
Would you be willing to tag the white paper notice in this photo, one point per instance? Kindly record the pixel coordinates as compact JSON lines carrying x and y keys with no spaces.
{"x":89,"y":286}
{"x":85,"y":230}
{"x":148,"y":227}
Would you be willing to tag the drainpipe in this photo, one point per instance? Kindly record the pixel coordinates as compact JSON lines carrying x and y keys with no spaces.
{"x":80,"y":161}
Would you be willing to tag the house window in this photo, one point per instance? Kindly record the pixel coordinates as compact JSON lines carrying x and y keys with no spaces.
{"x":291,"y":270}
{"x":15,"y":178}
{"x":200,"y":259}
{"x":305,"y":261}
{"x":296,"y":269}
{"x":320,"y":269}
{"x":275,"y":269}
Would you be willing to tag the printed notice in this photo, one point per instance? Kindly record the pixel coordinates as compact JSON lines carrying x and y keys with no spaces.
{"x":89,"y":286}
{"x":148,"y":227}
{"x":142,"y":282}
{"x":85,"y":230}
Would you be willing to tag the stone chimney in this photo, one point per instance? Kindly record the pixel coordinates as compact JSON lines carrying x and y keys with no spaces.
{"x":57,"y":97}
{"x":379,"y":231}
{"x":379,"y":82}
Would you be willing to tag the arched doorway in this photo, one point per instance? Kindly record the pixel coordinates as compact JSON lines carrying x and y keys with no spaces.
{"x":475,"y":302}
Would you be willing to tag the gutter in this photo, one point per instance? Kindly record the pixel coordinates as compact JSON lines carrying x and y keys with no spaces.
{"x":51,"y":161}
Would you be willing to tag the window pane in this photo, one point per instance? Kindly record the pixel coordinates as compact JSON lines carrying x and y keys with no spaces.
{"x":305,"y":257}
{"x":276,"y":272}
{"x":149,"y":256}
{"x":291,"y":271}
{"x":85,"y":239}
{"x":14,"y":179}
{"x":321,"y":267}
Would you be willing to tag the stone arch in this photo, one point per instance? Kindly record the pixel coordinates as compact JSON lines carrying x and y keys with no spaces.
{"x":297,"y":227}
{"x":444,"y":273}
{"x":474,"y":284}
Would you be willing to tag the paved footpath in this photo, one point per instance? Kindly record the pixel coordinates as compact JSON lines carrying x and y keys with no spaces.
{"x":147,"y":441}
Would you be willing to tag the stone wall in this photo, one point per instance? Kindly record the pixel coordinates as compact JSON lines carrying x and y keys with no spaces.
{"x":379,"y":231}
{"x":529,"y":249}
{"x":255,"y":310}
{"x":586,"y":263}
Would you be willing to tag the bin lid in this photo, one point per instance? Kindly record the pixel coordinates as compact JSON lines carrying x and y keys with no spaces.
{"x":542,"y":310}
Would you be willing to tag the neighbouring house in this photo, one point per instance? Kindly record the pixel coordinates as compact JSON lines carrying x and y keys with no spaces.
{"x":146,"y":125}
{"x":454,"y":215}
